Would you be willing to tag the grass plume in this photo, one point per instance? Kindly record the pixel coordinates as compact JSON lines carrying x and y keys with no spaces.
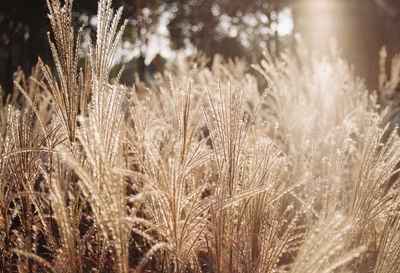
{"x":201,"y":170}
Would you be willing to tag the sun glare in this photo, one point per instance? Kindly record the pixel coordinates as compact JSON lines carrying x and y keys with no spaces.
{"x":285,"y":26}
{"x":321,"y":21}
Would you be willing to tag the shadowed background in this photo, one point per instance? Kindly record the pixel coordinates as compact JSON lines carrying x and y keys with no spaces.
{"x":160,"y":31}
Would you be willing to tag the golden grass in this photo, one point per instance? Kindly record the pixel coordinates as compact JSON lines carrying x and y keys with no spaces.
{"x":201,"y":171}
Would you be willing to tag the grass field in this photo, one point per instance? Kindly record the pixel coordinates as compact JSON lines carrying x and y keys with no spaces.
{"x":200,"y":172}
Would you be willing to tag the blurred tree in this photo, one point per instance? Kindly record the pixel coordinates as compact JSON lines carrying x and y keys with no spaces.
{"x":227,"y":27}
{"x":22,"y":36}
{"x":24,"y":27}
{"x":361,"y":28}
{"x":391,"y":7}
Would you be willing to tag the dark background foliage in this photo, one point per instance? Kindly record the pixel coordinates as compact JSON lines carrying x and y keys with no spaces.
{"x":362,"y":27}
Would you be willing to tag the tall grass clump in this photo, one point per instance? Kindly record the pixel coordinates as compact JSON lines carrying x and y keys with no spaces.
{"x":200,"y":171}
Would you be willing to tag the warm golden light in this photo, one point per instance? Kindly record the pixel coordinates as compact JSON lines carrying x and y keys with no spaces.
{"x":357,"y":28}
{"x":320,"y":21}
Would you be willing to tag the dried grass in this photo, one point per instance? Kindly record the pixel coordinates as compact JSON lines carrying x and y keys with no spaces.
{"x":201,"y":171}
